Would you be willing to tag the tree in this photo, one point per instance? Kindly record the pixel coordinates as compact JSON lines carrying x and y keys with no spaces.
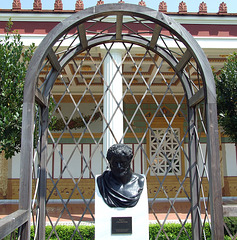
{"x":14,"y":60}
{"x":226,"y":88}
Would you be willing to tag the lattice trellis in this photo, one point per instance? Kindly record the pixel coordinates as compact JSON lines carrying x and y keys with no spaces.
{"x":168,"y":67}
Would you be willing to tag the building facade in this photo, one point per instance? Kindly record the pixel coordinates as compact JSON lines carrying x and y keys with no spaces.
{"x":143,"y":127}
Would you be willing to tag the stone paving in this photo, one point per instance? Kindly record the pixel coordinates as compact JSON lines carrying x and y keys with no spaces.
{"x":76,"y":210}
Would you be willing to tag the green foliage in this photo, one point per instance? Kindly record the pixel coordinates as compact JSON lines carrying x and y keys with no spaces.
{"x":170,"y":230}
{"x":14,"y":59}
{"x":207,"y":231}
{"x":13,"y":235}
{"x":65,"y":232}
{"x":231,"y":223}
{"x":226,"y":88}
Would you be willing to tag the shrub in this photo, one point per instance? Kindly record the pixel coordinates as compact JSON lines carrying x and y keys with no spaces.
{"x":14,"y":60}
{"x":231,"y":224}
{"x":174,"y":231}
{"x":65,"y":232}
{"x":226,"y":88}
{"x":170,"y":230}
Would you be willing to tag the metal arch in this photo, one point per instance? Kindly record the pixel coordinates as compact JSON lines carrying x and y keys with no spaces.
{"x":77,"y":19}
{"x":45,"y":50}
{"x":52,"y":76}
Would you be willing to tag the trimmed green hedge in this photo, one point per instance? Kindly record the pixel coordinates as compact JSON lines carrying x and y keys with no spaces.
{"x":170,"y":230}
{"x":174,"y":230}
{"x":65,"y":232}
{"x":231,"y":223}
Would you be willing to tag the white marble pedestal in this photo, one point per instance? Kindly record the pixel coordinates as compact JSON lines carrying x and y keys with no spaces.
{"x":104,"y":214}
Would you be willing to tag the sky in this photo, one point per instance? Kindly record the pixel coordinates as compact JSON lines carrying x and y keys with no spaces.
{"x":172,"y":5}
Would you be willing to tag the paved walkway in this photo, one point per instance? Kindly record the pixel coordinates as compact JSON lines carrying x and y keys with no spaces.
{"x":159,"y":212}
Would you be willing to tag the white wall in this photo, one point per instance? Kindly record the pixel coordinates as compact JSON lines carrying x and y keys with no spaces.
{"x":229,"y":159}
{"x":14,"y":166}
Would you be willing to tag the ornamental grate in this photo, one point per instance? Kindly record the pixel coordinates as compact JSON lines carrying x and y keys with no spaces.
{"x":168,"y":159}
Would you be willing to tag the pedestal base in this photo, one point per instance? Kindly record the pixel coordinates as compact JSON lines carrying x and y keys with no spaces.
{"x":138,"y":215}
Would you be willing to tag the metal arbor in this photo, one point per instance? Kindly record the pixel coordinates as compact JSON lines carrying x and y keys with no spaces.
{"x":191,"y":89}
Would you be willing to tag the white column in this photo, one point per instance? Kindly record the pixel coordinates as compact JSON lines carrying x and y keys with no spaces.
{"x":113,"y":81}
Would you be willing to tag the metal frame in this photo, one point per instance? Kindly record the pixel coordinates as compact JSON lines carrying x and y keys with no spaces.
{"x":205,"y":95}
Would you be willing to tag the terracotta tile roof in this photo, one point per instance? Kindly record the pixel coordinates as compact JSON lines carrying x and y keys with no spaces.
{"x":58,"y":5}
{"x":37,"y":5}
{"x":16,"y":5}
{"x":79,"y":5}
{"x":203,"y":8}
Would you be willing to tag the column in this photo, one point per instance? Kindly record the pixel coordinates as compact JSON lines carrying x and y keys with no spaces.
{"x":113,"y":115}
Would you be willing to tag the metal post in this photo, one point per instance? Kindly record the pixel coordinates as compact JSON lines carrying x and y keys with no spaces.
{"x":43,"y":175}
{"x":194,"y":180}
{"x":26,"y":165}
{"x":214,"y":173}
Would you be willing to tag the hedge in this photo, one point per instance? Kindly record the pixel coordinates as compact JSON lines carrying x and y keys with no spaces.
{"x":65,"y":232}
{"x":231,"y":223}
{"x":170,"y":230}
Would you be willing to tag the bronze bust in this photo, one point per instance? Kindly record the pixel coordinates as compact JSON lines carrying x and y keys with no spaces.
{"x":119,"y":186}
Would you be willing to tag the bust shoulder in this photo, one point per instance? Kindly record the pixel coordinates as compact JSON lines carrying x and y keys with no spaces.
{"x":140,"y":178}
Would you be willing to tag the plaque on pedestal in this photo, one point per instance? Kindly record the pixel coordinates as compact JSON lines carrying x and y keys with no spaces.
{"x":121,"y":225}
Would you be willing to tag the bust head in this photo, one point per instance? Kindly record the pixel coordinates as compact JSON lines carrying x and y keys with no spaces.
{"x":119,"y":157}
{"x":120,"y":187}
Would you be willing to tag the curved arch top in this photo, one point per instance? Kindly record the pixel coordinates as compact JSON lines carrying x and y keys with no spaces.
{"x":120,"y":11}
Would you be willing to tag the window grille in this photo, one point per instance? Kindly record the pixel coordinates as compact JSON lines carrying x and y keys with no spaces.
{"x":165,"y":151}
